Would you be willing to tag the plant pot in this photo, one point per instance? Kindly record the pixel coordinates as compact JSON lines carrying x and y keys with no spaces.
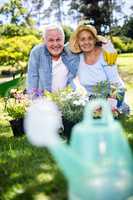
{"x":68,"y":125}
{"x":17,"y":127}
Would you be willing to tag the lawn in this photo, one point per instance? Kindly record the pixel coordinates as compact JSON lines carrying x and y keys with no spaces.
{"x":27,"y":172}
{"x":30,"y":173}
{"x":125,"y":64}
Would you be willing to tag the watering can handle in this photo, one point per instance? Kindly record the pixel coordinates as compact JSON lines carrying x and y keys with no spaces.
{"x":106,"y":116}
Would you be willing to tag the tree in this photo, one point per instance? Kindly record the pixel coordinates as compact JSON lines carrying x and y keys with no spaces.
{"x":35,"y":9}
{"x":55,"y":8}
{"x":15,"y":13}
{"x":22,"y":12}
{"x":127,"y":28}
{"x":98,"y":12}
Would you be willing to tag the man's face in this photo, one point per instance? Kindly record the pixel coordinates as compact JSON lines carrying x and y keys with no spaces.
{"x":55,"y":42}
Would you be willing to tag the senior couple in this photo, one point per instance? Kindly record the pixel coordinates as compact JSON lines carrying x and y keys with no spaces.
{"x":86,"y":59}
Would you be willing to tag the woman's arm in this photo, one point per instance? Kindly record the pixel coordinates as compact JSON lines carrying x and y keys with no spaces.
{"x":79,"y":88}
{"x":114,"y":77}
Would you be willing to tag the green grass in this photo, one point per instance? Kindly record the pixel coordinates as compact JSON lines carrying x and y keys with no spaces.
{"x":125,"y":65}
{"x":5,"y":87}
{"x":27,"y":172}
{"x":30,"y":173}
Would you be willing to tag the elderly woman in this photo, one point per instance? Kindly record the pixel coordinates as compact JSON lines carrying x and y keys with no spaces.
{"x":94,"y":73}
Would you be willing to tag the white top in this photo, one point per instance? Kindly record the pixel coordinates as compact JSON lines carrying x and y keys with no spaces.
{"x":90,"y":75}
{"x":59,"y":75}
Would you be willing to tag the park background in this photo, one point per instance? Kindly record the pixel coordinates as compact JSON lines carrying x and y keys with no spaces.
{"x":27,"y":172}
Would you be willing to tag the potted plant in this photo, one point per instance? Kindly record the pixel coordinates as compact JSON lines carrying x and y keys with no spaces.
{"x":112,"y":94}
{"x":71,"y":104}
{"x":16,"y":106}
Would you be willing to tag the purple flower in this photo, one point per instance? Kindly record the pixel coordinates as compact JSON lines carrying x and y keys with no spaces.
{"x":34,"y":92}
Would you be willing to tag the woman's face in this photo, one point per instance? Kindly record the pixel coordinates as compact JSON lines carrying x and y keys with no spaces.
{"x":86,"y":41}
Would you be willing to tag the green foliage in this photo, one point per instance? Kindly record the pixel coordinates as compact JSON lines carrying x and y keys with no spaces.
{"x":123,"y":44}
{"x":116,"y":30}
{"x":13,"y":50}
{"x":129,"y":47}
{"x":16,"y":13}
{"x":68,"y":31}
{"x":101,"y":89}
{"x":127,"y":124}
{"x":11,"y":30}
{"x":5,"y":87}
{"x":127,"y":29}
{"x":71,"y":104}
{"x":99,"y":12}
{"x":119,"y":44}
{"x":16,"y":110}
{"x":126,"y":40}
{"x":17,"y":104}
{"x":54,"y":9}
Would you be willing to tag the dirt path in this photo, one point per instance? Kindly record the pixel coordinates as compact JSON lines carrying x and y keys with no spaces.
{"x":5,"y":79}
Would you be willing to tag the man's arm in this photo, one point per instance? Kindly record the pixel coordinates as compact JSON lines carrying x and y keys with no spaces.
{"x":33,"y":70}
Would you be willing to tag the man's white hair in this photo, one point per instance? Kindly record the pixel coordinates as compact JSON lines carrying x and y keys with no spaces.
{"x":50,"y":27}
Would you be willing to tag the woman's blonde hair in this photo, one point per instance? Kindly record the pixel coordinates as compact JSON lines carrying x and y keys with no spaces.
{"x":73,"y":42}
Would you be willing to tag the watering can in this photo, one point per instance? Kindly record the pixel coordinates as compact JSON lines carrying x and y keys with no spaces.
{"x":97,"y":163}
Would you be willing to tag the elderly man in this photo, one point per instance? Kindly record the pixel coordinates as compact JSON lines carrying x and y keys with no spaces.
{"x":51,"y":65}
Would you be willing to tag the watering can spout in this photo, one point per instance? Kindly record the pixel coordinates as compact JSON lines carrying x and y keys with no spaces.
{"x":68,"y":160}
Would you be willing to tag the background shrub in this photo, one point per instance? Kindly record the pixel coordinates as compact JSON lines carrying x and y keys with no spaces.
{"x":123,"y":44}
{"x":119,"y":44}
{"x":68,"y":31}
{"x":11,"y":30}
{"x":15,"y":49}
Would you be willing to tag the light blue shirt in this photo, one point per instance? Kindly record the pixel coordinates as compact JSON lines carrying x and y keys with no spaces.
{"x":91,"y":75}
{"x":40,"y":67}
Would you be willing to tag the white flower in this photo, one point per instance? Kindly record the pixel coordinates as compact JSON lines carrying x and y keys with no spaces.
{"x":77,"y":103}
